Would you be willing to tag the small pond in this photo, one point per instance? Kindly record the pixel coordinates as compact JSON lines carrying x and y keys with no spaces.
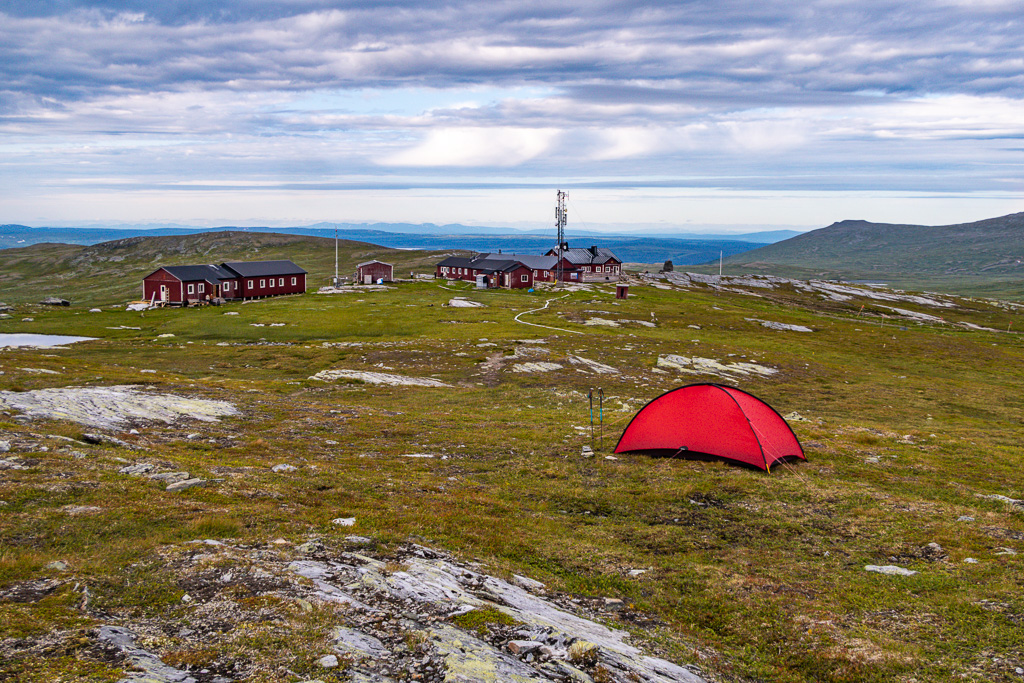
{"x":38,"y":341}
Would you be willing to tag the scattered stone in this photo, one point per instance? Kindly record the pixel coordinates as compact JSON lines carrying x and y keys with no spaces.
{"x":55,"y":301}
{"x":350,"y":641}
{"x":169,"y":477}
{"x":283,"y":467}
{"x":5,"y":446}
{"x":231,"y":313}
{"x":416,"y":455}
{"x":57,"y":566}
{"x":80,"y":509}
{"x":164,"y":336}
{"x":965,"y":518}
{"x":527,"y":583}
{"x":539,"y":366}
{"x":358,"y":540}
{"x":587,"y":452}
{"x":193,"y":436}
{"x":794,"y":417}
{"x":1015,"y":502}
{"x":461,"y":302}
{"x":613,"y":604}
{"x":890,"y":569}
{"x":522,"y":647}
{"x":99,"y":439}
{"x":378,"y":378}
{"x":772,"y":325}
{"x":708,"y":366}
{"x":610,"y":457}
{"x":95,"y":310}
{"x":970,"y":560}
{"x":138,"y":469}
{"x":344,"y":521}
{"x":155,"y":671}
{"x":328,"y":662}
{"x":185,"y":485}
{"x":592,"y":365}
{"x":637,"y":572}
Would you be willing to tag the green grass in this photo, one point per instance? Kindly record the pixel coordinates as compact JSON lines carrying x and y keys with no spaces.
{"x":759,"y":578}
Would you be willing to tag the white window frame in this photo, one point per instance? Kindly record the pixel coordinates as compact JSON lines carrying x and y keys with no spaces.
{"x":250,"y":284}
{"x":202,"y":287}
{"x":271,"y":283}
{"x":263,"y":283}
{"x":280,"y":282}
{"x":191,"y":289}
{"x":524,"y":278}
{"x":295,"y":281}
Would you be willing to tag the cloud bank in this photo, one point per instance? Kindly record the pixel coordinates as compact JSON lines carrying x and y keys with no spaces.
{"x":829,"y":96}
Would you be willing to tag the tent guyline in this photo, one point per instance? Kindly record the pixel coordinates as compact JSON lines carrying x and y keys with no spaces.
{"x":715,"y":420}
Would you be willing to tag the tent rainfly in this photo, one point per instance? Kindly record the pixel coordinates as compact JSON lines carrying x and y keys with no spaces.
{"x":711,"y":419}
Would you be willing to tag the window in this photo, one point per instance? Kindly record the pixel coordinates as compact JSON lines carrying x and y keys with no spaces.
{"x":280,"y":282}
{"x":271,"y":282}
{"x":295,"y":281}
{"x":202,"y":288}
{"x":263,"y":283}
{"x":191,"y":289}
{"x":573,"y":276}
{"x":524,"y":278}
{"x":600,"y":269}
{"x":250,"y":284}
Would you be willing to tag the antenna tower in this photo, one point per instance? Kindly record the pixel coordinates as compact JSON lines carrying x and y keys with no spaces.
{"x":560,"y":220}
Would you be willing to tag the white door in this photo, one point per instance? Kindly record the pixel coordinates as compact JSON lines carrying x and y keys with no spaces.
{"x":163,"y":292}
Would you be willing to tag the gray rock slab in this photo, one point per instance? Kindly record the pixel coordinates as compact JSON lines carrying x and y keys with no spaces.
{"x":111,"y":407}
{"x":350,"y":641}
{"x":889,"y":569}
{"x":155,"y":671}
{"x":185,"y":485}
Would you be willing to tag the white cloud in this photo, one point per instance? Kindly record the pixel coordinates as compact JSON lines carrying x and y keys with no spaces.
{"x":500,"y":146}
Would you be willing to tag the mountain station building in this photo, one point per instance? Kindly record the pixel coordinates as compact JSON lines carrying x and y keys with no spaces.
{"x":183,"y":285}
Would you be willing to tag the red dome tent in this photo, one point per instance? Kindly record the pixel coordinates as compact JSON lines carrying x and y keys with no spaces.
{"x":713,"y":420}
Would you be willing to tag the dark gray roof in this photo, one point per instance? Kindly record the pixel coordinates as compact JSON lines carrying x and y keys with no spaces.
{"x":529,"y":260}
{"x":366,"y":263}
{"x":263,"y":268}
{"x":210,"y":273}
{"x":486,"y":265}
{"x":593,"y":255}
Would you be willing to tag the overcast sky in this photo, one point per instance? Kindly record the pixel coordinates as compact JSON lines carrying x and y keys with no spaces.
{"x":737,"y":115}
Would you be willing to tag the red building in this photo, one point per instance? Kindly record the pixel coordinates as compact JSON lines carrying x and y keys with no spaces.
{"x":507,"y":272}
{"x":237,"y":280}
{"x":371,"y":271}
{"x":595,"y":264}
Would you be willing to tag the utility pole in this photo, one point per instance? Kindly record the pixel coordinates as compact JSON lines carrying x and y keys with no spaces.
{"x":335,"y":254}
{"x":560,"y":220}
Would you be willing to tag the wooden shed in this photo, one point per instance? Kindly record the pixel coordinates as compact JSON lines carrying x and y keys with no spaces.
{"x":369,"y":272}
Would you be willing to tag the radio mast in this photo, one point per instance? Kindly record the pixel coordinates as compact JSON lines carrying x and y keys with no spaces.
{"x":560,"y":219}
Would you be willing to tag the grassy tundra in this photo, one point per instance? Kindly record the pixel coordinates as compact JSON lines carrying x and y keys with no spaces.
{"x":907,"y":428}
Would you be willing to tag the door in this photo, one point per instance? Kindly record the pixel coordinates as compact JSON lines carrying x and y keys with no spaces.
{"x":163,"y":293}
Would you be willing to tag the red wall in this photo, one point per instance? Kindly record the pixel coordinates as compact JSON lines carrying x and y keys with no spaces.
{"x":256,"y":290}
{"x":375,"y":271}
{"x":151,"y":285}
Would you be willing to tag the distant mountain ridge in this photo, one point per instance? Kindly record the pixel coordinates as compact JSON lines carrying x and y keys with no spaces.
{"x":990,"y":250}
{"x":631,"y":248}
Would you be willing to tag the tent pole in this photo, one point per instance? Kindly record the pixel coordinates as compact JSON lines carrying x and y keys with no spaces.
{"x":590,"y":395}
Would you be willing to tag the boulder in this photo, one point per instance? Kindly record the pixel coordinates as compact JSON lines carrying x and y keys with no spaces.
{"x":55,"y":301}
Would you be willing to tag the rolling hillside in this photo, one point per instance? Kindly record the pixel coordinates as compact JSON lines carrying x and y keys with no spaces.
{"x":981,"y":257}
{"x":112,"y":272}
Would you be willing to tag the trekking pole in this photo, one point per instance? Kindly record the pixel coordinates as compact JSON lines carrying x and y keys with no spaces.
{"x":590,"y":395}
{"x":600,"y":395}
